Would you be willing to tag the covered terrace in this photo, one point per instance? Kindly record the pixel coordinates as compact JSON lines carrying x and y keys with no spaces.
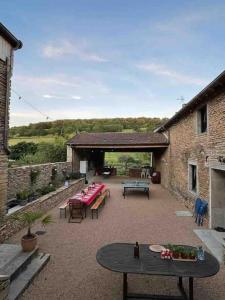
{"x":92,"y":147}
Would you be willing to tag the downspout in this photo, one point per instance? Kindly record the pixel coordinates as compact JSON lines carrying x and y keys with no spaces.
{"x":8,"y":86}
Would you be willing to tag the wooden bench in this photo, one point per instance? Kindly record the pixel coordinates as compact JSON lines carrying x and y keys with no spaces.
{"x":97,"y":204}
{"x":106,"y":193}
{"x":63,"y":208}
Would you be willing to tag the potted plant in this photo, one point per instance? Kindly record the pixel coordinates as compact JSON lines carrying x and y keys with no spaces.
{"x":176,"y":251}
{"x":184,"y":253}
{"x":192,"y":254}
{"x":29,"y":240}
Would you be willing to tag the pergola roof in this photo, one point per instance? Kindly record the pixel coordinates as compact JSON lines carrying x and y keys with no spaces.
{"x":118,"y":139}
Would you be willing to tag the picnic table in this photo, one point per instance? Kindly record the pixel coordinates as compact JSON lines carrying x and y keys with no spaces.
{"x":78,"y":203}
{"x":118,"y":257}
{"x":91,"y":194}
{"x":135,"y":185}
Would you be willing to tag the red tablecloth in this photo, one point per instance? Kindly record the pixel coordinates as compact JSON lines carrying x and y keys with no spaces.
{"x":90,"y":196}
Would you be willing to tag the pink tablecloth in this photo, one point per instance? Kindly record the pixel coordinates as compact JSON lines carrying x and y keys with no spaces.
{"x":90,"y":196}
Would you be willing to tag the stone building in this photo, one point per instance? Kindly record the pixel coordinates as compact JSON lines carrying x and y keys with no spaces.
{"x":194,"y":163}
{"x":8,"y":43}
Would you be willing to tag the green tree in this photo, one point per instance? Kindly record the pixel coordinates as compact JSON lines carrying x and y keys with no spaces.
{"x":21,"y":149}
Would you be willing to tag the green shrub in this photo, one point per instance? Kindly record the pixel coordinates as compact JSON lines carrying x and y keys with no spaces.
{"x":46,"y":189}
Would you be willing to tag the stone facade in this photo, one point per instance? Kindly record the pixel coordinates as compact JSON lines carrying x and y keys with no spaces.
{"x":19,"y":178}
{"x":3,"y":128}
{"x":189,"y":146}
{"x":42,"y":204}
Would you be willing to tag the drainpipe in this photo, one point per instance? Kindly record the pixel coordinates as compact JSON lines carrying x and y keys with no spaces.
{"x":8,"y":85}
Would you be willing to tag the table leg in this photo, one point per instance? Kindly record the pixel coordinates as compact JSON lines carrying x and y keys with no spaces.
{"x":124,"y":286}
{"x":124,"y":191}
{"x":180,"y":282}
{"x":191,"y":290}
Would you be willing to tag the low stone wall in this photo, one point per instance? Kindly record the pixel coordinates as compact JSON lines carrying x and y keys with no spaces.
{"x":42,"y":204}
{"x":19,"y":177}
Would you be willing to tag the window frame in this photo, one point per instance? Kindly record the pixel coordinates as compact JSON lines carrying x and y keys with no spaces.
{"x":192,"y":164}
{"x":200,"y":119}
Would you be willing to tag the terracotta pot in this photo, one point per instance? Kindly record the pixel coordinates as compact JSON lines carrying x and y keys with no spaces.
{"x":29,"y":243}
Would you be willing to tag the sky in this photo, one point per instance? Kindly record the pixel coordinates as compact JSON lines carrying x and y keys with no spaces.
{"x":111,"y":58}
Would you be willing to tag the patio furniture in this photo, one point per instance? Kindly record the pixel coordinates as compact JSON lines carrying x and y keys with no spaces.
{"x":200,"y":211}
{"x":143,"y":173}
{"x":100,"y":202}
{"x":106,"y":192}
{"x":62,"y":208}
{"x":135,"y":185}
{"x":119,"y":257}
{"x":76,"y":211}
{"x":156,"y":177}
{"x":95,"y":207}
{"x":91,"y":194}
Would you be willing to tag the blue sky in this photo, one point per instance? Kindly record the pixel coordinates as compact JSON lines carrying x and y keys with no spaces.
{"x":114,"y":58}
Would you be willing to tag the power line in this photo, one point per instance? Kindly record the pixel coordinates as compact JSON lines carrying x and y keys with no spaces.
{"x":31,"y":105}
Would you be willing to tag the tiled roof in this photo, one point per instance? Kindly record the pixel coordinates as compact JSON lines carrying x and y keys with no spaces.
{"x":118,"y":138}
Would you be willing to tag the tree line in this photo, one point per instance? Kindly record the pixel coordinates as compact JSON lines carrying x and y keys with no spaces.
{"x":65,"y":127}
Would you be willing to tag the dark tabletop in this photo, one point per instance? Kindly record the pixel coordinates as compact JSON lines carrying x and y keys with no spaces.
{"x":119,"y":257}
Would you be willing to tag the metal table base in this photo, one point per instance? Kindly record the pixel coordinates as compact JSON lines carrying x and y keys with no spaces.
{"x":184,"y":296}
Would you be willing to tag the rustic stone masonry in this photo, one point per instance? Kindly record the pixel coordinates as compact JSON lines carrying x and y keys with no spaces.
{"x":187,"y":145}
{"x":42,"y":204}
{"x":20,"y":179}
{"x":3,"y":156}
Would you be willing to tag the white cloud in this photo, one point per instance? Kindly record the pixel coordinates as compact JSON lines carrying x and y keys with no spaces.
{"x":48,"y":96}
{"x":65,"y":48}
{"x":175,"y":76}
{"x":63,"y":97}
{"x":76,"y":97}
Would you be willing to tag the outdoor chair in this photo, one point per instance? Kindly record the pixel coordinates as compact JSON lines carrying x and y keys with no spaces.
{"x":200,"y":211}
{"x":76,"y":211}
{"x":143,"y":173}
{"x":147,"y":173}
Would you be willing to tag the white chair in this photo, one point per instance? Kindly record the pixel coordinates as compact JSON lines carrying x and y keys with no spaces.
{"x":143,"y":173}
{"x":147,"y":173}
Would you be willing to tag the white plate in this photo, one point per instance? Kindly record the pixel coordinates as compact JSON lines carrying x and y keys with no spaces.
{"x":156,"y":248}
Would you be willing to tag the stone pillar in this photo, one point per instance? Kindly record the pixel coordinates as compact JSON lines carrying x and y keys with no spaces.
{"x":69,"y":154}
{"x":75,"y":160}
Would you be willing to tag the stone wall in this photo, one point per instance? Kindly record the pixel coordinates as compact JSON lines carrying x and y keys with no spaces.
{"x":187,"y":145}
{"x":42,"y":204}
{"x":3,"y":156}
{"x":20,"y":180}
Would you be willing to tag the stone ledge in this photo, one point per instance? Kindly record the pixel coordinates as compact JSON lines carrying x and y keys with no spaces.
{"x":43,"y":204}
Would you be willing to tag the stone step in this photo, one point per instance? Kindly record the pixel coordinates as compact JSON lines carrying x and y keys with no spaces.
{"x":22,"y":281}
{"x":212,"y":243}
{"x":15,"y":266}
{"x":220,"y":236}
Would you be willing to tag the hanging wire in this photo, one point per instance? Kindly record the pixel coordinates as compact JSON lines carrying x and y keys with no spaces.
{"x":31,"y":105}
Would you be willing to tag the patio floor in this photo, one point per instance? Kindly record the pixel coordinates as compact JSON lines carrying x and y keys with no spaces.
{"x":73,"y":272}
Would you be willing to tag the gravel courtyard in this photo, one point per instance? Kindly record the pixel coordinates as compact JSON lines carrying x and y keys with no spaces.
{"x":73,"y":272}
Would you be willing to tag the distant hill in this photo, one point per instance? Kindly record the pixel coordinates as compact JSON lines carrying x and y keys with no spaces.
{"x":68,"y":127}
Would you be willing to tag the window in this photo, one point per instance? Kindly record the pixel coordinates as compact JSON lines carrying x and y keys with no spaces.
{"x":193,"y":178}
{"x":202,"y":119}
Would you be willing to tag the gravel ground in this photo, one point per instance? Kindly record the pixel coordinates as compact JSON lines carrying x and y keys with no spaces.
{"x":73,"y":272}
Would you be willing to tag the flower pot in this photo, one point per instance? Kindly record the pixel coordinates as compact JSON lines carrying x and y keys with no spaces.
{"x":29,"y":243}
{"x":176,"y":255}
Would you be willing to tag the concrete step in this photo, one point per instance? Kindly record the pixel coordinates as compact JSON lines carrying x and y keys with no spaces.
{"x":212,"y":243}
{"x":15,"y":266}
{"x":22,"y":281}
{"x":220,"y":236}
